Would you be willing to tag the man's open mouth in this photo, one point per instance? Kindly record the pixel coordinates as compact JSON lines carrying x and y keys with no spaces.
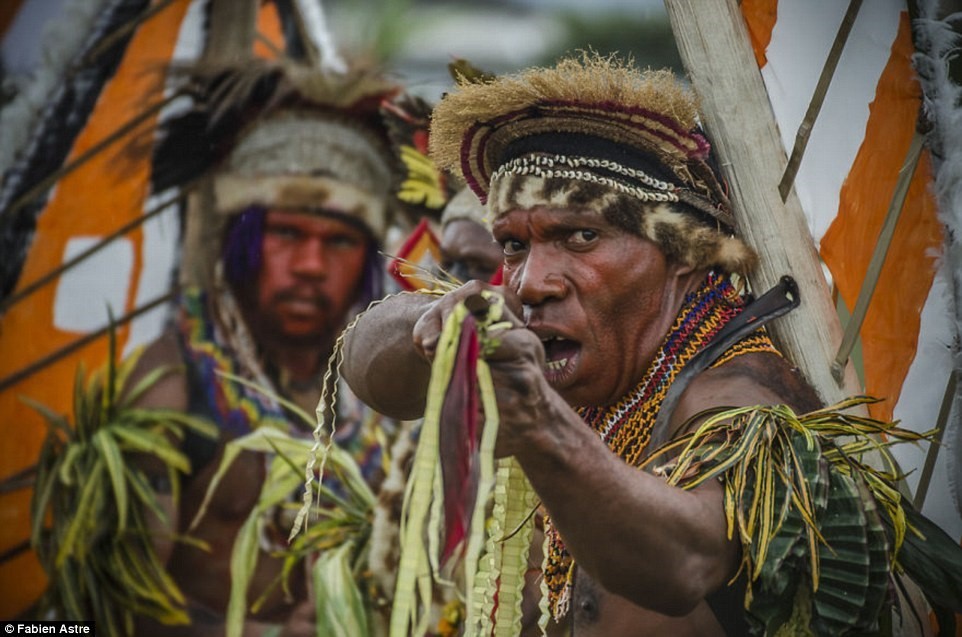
{"x":559,"y":353}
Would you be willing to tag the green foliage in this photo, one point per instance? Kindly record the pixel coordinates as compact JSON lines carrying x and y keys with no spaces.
{"x":90,"y":504}
{"x":821,"y":530}
{"x":338,"y":538}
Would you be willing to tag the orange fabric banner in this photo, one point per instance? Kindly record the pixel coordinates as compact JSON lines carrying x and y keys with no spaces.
{"x":760,"y":17}
{"x":93,"y":201}
{"x":891,"y":326}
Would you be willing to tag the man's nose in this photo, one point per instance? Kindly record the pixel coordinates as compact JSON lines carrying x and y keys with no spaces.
{"x":310,"y":259}
{"x":540,"y":278}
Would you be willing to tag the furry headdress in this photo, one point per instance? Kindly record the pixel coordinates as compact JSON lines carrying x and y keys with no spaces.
{"x":594,"y":133}
{"x":464,"y":205}
{"x":278,"y":134}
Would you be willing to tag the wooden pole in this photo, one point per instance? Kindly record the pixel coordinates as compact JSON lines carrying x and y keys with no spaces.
{"x":233,"y":24}
{"x":715,"y":48}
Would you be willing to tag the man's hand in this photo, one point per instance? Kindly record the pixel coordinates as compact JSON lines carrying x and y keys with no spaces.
{"x":527,"y":405}
{"x":517,"y":369}
{"x":427,"y":329}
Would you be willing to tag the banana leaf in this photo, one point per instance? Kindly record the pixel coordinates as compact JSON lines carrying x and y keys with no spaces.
{"x":90,"y":502}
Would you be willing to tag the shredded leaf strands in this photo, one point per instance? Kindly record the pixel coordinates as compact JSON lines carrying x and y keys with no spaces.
{"x":493,"y":556}
{"x":816,"y":524}
{"x":324,"y":420}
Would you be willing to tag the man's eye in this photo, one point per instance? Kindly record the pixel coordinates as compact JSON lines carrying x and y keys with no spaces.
{"x":283,"y":232}
{"x":582,"y":237}
{"x":344,"y":241}
{"x":511,"y":247}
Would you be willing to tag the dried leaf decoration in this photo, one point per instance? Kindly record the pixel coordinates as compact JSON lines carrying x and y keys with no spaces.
{"x":821,"y":530}
{"x":451,"y":483}
{"x":90,"y":504}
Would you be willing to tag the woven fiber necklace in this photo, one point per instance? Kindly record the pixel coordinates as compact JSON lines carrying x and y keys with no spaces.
{"x":626,"y":426}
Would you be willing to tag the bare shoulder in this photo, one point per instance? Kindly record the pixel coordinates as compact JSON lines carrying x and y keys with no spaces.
{"x":170,"y":389}
{"x":752,"y":379}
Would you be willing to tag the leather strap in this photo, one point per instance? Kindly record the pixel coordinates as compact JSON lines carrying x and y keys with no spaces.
{"x":779,"y":300}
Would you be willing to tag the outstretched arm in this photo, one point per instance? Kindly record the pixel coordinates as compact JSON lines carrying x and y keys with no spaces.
{"x":388,"y":352}
{"x":381,"y":364}
{"x":658,"y":546}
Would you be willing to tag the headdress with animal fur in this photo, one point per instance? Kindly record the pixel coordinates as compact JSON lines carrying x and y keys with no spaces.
{"x":278,"y":134}
{"x":594,"y":132}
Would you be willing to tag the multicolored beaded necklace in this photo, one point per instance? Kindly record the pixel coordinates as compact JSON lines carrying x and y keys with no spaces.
{"x":236,"y":408}
{"x":626,"y":426}
{"x":239,"y":409}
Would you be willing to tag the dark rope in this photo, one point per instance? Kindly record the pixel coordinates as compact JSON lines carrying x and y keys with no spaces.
{"x":53,"y":357}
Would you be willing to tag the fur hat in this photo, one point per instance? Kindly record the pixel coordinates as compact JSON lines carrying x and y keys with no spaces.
{"x":464,"y":205}
{"x":278,"y":135}
{"x":594,"y":133}
{"x":309,"y":161}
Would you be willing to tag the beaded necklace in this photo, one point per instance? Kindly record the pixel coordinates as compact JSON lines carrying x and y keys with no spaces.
{"x":626,"y":426}
{"x":236,"y":408}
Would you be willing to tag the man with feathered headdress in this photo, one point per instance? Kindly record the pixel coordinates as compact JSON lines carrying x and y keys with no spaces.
{"x":630,"y":327}
{"x":291,"y":178}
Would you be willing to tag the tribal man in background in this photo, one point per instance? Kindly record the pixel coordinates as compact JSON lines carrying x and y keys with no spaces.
{"x":281,"y":250}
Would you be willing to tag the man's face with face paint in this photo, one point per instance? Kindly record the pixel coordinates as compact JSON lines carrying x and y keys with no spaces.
{"x":310,"y":275}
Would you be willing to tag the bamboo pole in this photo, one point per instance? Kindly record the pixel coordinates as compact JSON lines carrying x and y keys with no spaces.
{"x":715,"y":48}
{"x":233,"y":25}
